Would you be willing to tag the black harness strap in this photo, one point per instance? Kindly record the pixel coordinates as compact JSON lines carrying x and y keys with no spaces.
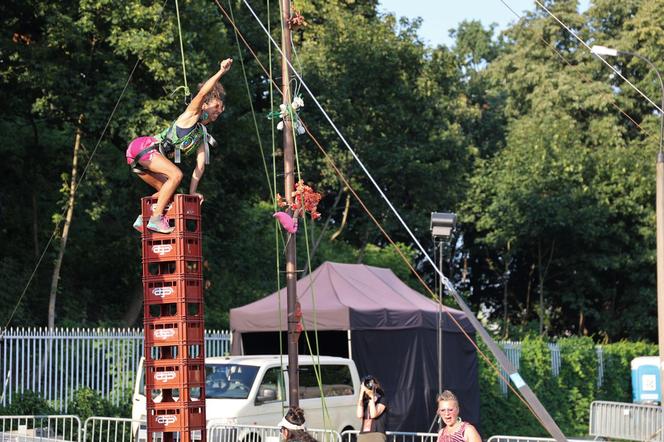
{"x":136,"y":167}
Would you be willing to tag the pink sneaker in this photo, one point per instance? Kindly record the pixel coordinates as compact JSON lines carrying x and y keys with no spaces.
{"x":161,"y":225}
{"x":287,"y":222}
{"x":138,"y":224}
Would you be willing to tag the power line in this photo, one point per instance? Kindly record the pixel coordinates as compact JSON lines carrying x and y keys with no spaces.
{"x":598,"y":56}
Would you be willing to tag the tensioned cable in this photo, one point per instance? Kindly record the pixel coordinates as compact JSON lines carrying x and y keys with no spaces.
{"x":504,"y":361}
{"x":184,"y":66}
{"x":342,"y":177}
{"x":352,"y":151}
{"x":563,"y":58}
{"x":294,"y":120}
{"x":598,"y":56}
{"x":251,"y":105}
{"x":83,"y":174}
{"x":277,"y":231}
{"x":545,"y":419}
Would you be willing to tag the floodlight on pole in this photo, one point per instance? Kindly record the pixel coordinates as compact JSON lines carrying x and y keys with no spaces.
{"x":603,"y":50}
{"x":659,"y":205}
{"x":442,"y":226}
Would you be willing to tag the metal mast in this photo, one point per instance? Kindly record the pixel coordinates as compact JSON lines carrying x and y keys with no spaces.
{"x":289,"y":187}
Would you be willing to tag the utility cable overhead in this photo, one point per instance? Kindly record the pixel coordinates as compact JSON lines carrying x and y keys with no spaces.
{"x":562,"y":57}
{"x":617,"y":72}
{"x":546,"y":420}
{"x":349,"y":186}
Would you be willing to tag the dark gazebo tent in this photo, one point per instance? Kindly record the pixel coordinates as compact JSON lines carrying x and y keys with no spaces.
{"x":387,"y":328}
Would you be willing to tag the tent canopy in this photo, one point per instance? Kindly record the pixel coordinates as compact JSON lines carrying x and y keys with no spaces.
{"x":394,"y":335}
{"x":350,"y":297}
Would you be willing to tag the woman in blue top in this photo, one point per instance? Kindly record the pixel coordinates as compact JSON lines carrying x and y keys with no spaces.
{"x":151,"y":157}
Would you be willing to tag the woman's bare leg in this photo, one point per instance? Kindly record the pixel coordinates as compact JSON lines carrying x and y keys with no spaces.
{"x":155,"y":180}
{"x":160,"y":165}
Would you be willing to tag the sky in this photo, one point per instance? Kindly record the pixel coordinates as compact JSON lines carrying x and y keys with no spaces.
{"x":441,"y":15}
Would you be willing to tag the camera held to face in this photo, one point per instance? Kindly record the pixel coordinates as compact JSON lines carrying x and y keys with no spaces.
{"x":369,"y":382}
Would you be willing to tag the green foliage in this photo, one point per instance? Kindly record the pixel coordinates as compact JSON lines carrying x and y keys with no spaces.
{"x":617,"y":359}
{"x":567,"y":397}
{"x":28,"y":403}
{"x":86,"y":402}
{"x":552,"y":184}
{"x":558,"y":219}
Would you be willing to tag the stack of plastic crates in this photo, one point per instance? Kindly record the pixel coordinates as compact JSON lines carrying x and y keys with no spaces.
{"x":174,"y":326}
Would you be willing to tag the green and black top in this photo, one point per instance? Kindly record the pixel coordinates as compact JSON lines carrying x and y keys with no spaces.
{"x":185,"y":141}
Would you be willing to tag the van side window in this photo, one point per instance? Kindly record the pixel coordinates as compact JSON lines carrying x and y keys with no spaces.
{"x":336,"y":379}
{"x":272,"y":386}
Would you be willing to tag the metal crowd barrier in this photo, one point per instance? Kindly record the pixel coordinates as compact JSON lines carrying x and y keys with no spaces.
{"x":395,"y":436}
{"x":261,"y":433}
{"x":528,"y":439}
{"x":620,"y":420}
{"x":65,"y":428}
{"x":112,"y":429}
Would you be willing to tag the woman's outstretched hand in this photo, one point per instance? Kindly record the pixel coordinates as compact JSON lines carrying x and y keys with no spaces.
{"x":225,"y":65}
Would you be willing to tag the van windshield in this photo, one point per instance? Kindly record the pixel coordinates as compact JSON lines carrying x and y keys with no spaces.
{"x":229,"y":381}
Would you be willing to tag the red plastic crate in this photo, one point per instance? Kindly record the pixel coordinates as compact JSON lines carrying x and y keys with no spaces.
{"x":180,"y":266}
{"x":171,"y":247}
{"x":190,"y":434}
{"x":167,"y":375}
{"x":167,"y":332}
{"x":186,"y":224}
{"x":181,"y":354}
{"x":180,"y":205}
{"x":167,"y":417}
{"x":190,"y":394}
{"x":167,"y":289}
{"x":176,"y":311}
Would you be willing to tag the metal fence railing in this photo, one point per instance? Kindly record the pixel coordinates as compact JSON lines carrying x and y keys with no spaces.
{"x":512,"y":350}
{"x":528,"y":439}
{"x":111,"y":429}
{"x":261,"y":433}
{"x":40,"y":429}
{"x":395,"y":436}
{"x":55,"y":362}
{"x":619,"y":420}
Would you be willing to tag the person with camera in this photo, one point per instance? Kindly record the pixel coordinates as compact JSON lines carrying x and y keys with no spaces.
{"x":372,"y":410}
{"x":454,"y":429}
{"x":292,"y":426}
{"x":152,"y":158}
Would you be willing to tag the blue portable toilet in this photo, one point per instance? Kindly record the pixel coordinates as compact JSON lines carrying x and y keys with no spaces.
{"x":646,"y":386}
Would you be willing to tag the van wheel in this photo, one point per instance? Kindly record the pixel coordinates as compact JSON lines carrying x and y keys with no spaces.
{"x":252,"y":437}
{"x":348,"y":437}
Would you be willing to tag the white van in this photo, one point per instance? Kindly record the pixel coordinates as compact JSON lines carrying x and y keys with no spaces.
{"x":252,"y":390}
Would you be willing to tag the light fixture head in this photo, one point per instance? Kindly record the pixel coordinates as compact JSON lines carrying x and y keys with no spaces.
{"x":603,"y":50}
{"x":442,"y":224}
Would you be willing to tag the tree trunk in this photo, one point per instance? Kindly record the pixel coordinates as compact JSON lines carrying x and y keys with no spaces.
{"x":35,"y":225}
{"x":506,"y":278}
{"x":65,"y":229}
{"x":133,"y":312}
{"x":344,"y":219}
{"x":540,"y":288}
{"x":543,"y":270}
{"x":529,"y":290}
{"x":320,"y":236}
{"x":31,"y":171}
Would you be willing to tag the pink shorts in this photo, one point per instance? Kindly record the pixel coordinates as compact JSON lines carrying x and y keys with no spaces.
{"x":137,"y":146}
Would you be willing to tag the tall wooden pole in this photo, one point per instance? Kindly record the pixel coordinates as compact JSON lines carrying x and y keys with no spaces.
{"x":659,"y":229}
{"x":289,"y":187}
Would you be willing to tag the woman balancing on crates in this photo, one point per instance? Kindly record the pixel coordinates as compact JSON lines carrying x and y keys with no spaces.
{"x":153,"y":158}
{"x":454,"y":429}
